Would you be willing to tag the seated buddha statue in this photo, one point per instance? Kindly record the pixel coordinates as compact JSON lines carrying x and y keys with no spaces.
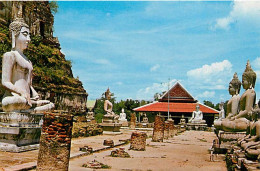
{"x":241,"y":120}
{"x":232,"y":105}
{"x":253,"y":134}
{"x":122,"y":116}
{"x":197,"y":116}
{"x":17,"y":74}
{"x":108,"y":106}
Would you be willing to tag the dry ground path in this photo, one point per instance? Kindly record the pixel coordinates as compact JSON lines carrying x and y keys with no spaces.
{"x":188,"y":151}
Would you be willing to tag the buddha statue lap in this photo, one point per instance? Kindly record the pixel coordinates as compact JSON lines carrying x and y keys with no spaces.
{"x":197,"y":116}
{"x":17,"y":74}
{"x":240,"y":121}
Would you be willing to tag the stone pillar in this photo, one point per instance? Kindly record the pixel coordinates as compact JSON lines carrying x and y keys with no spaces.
{"x":133,"y":121}
{"x":172,"y":130}
{"x":138,"y":141}
{"x":166,"y":130}
{"x":55,"y":141}
{"x":158,"y":129}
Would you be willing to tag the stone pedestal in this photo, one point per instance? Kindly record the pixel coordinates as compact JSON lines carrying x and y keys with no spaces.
{"x":110,"y":125}
{"x":196,"y":126}
{"x":138,"y":141}
{"x":109,"y":143}
{"x":124,"y":123}
{"x":55,"y":142}
{"x":19,"y":131}
{"x":158,"y":129}
{"x":133,"y":121}
{"x":166,"y":134}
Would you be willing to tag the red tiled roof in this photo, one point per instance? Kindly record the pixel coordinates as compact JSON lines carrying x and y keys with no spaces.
{"x":174,"y":107}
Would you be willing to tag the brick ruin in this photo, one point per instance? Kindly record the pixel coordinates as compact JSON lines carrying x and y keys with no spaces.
{"x":55,"y":142}
{"x":138,"y":141}
{"x":158,"y":130}
{"x":133,"y":121}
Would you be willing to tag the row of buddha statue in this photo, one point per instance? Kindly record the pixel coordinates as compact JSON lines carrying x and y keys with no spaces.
{"x":242,"y":113}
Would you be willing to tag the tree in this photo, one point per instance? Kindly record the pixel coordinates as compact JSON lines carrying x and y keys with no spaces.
{"x":208,"y":103}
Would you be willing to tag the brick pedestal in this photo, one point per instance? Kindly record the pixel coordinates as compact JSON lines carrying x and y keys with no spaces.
{"x":138,"y":141}
{"x":158,"y":129}
{"x":133,"y":121}
{"x":172,"y":130}
{"x":166,"y":134}
{"x":55,"y":141}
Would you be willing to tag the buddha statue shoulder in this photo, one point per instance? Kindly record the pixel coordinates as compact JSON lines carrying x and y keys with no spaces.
{"x":17,"y":74}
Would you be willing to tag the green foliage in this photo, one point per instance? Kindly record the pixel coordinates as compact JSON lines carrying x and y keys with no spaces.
{"x":208,"y":103}
{"x":54,"y":7}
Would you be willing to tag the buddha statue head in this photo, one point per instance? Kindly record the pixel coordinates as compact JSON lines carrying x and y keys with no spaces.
{"x":197,"y":107}
{"x":248,"y":77}
{"x":108,"y":94}
{"x":234,"y":85}
{"x":19,"y":33}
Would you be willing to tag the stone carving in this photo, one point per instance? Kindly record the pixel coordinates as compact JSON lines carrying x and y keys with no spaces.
{"x":222,"y":111}
{"x":240,"y":121}
{"x":182,"y":120}
{"x":251,"y":143}
{"x":17,"y":73}
{"x":232,"y":105}
{"x":108,"y":106}
{"x":197,"y":116}
{"x":122,"y":116}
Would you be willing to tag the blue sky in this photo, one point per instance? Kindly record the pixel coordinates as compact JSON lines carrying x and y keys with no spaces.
{"x":135,"y":47}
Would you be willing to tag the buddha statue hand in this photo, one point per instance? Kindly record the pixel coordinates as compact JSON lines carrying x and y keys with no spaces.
{"x":27,"y":97}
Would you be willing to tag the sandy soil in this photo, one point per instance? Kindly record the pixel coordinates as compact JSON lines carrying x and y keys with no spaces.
{"x":188,"y":151}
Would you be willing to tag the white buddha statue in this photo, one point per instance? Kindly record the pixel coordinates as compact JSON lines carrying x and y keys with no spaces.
{"x":197,"y":116}
{"x":122,"y":116}
{"x":17,"y":74}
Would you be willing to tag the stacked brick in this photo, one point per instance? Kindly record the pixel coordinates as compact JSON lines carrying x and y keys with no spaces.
{"x":55,"y":142}
{"x":132,"y":121}
{"x":138,"y":141}
{"x":172,"y":130}
{"x":166,"y":134}
{"x":158,"y":129}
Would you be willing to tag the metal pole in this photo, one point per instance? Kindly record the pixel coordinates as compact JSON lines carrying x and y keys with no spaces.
{"x":168,"y":99}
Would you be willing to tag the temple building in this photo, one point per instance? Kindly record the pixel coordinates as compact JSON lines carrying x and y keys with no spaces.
{"x":181,"y":102}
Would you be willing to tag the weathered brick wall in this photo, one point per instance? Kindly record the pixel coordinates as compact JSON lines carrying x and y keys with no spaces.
{"x":138,"y":141}
{"x":133,"y":121}
{"x":55,"y":142}
{"x":158,"y":129}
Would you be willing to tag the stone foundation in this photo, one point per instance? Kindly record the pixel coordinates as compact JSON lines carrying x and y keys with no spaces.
{"x":133,"y":121}
{"x":196,"y":126}
{"x":19,"y":131}
{"x":158,"y":129}
{"x":138,"y":141}
{"x":109,"y":143}
{"x":55,"y":142}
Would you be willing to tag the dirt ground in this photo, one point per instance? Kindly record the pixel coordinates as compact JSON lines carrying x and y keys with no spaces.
{"x":187,"y":151}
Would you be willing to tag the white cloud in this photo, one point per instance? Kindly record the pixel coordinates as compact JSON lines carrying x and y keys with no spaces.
{"x":206,"y":94}
{"x":256,"y":63}
{"x":155,"y":67}
{"x":102,"y":61}
{"x":119,"y":83}
{"x":148,"y":92}
{"x":206,"y":72}
{"x":245,"y":11}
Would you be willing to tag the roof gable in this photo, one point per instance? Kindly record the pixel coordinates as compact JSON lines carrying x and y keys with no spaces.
{"x":177,"y":93}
